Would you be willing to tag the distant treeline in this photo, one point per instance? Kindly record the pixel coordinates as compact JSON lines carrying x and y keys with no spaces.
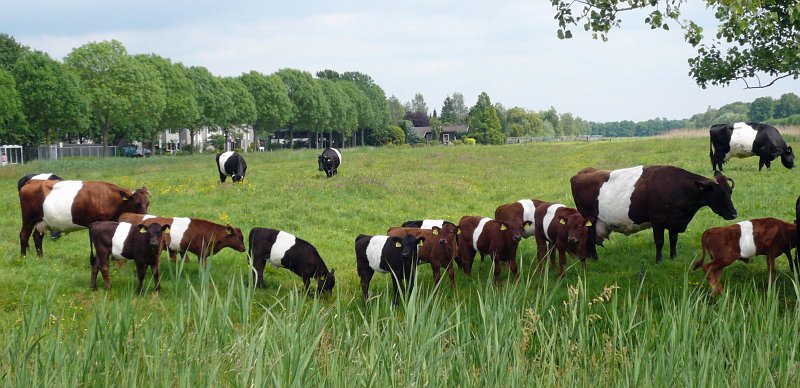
{"x":784,"y":111}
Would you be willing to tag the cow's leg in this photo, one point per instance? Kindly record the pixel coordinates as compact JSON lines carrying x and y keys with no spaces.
{"x":307,"y":283}
{"x":397,"y":285}
{"x":95,"y":270}
{"x":673,"y":244}
{"x":512,"y":265}
{"x":713,"y":274}
{"x":24,"y":236}
{"x":591,"y":242}
{"x":141,"y":271}
{"x":451,"y":273}
{"x":156,"y":275}
{"x":771,"y":268}
{"x":658,"y":237}
{"x":437,"y":275}
{"x":37,"y":241}
{"x":365,"y":276}
{"x":562,"y":261}
{"x":104,"y":270}
{"x":541,"y":253}
{"x":496,"y":264}
{"x":553,"y":257}
{"x":258,"y":276}
{"x":222,"y":177}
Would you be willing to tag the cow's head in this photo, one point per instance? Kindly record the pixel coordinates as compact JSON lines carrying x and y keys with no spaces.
{"x":787,"y":158}
{"x":155,"y":235}
{"x":233,"y":238}
{"x":514,"y":227}
{"x":326,"y":282}
{"x":323,"y":161}
{"x":716,"y":193}
{"x":576,"y":229}
{"x":238,"y":178}
{"x":138,"y":202}
{"x":409,"y":244}
{"x":448,"y":237}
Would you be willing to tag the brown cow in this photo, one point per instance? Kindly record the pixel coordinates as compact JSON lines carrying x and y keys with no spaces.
{"x":521,"y":210}
{"x":198,"y":236}
{"x":762,"y":236}
{"x":440,"y":250}
{"x":67,"y":206}
{"x":489,"y":237}
{"x":139,"y":243}
{"x":565,"y":229}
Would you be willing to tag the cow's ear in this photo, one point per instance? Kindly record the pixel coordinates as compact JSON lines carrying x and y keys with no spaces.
{"x":229,"y":229}
{"x":458,"y":230}
{"x":789,"y":150}
{"x":142,"y":228}
{"x":527,"y":224}
{"x":703,"y":185}
{"x":165,"y":228}
{"x":420,"y":241}
{"x":397,"y":244}
{"x":503,"y":226}
{"x":588,"y":223}
{"x":562,"y":220}
{"x":435,"y":230}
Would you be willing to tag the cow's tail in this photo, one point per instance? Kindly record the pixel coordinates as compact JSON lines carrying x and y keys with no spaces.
{"x":699,"y":262}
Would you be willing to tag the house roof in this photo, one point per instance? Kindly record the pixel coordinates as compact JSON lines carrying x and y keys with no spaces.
{"x":422,"y":131}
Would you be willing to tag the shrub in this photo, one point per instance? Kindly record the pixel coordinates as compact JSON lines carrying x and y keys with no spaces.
{"x":469,"y":141}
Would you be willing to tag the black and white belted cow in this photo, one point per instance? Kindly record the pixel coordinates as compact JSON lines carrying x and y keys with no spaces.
{"x":329,"y":161}
{"x":741,"y":140}
{"x":632,"y":199}
{"x":54,"y":234}
{"x":231,"y":164}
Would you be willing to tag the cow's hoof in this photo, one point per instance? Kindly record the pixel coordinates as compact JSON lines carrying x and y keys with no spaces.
{"x":659,"y":260}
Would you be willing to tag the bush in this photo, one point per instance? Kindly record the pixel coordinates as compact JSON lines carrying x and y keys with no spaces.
{"x":469,"y":141}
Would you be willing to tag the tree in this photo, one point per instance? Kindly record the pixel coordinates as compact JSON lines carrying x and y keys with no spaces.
{"x":361,"y":104}
{"x":436,"y":129}
{"x":752,"y":38}
{"x":10,"y":104}
{"x":305,"y":95}
{"x":10,"y":50}
{"x":396,"y":109}
{"x":378,"y":114}
{"x":787,"y":105}
{"x":343,"y":117}
{"x":243,"y":106}
{"x":181,"y":109}
{"x":418,"y":118}
{"x":329,"y":75}
{"x":213,"y":99}
{"x":273,"y":106}
{"x":521,"y":122}
{"x":121,"y":92}
{"x":454,"y":111}
{"x":418,"y":105}
{"x":51,"y":95}
{"x":484,"y":125}
{"x":761,"y":109}
{"x":551,"y":117}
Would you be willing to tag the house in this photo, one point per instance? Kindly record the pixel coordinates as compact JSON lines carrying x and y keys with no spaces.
{"x":172,"y":141}
{"x":446,"y":134}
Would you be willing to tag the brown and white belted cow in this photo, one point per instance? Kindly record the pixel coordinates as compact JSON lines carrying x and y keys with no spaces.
{"x":566,"y":231}
{"x":440,"y":250}
{"x":498,"y":239}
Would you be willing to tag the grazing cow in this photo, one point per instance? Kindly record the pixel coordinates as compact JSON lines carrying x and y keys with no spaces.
{"x":284,"y":250}
{"x":123,"y":240}
{"x":486,"y":236}
{"x":37,"y":177}
{"x":195,"y":235}
{"x":565,"y":229}
{"x":329,"y":161}
{"x":67,"y":206}
{"x":662,"y":197}
{"x":395,"y":255}
{"x":742,"y":140}
{"x":741,"y":241}
{"x":54,"y":234}
{"x":521,"y":210}
{"x":440,"y":251}
{"x":231,"y":164}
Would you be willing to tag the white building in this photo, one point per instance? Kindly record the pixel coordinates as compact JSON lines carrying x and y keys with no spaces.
{"x":241,"y":137}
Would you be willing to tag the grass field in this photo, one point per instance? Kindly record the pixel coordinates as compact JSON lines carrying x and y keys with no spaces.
{"x":624,"y":321}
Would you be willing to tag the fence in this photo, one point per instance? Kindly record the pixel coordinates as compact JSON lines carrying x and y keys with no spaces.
{"x":69,"y":151}
{"x":517,"y":140}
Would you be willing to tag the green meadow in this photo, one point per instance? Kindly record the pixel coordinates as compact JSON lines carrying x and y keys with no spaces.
{"x":624,"y":321}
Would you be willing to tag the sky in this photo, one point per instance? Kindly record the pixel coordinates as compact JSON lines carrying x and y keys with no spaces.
{"x":508,"y":49}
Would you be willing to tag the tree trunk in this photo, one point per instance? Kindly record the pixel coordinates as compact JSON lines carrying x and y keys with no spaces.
{"x":362,"y":137}
{"x":191,"y":141}
{"x":291,"y":138}
{"x":343,"y":137}
{"x":330,"y":139}
{"x":255,"y":141}
{"x":105,"y":141}
{"x":355,"y":133}
{"x":152,"y":144}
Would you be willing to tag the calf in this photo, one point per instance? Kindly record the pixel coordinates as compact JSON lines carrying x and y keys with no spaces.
{"x":395,"y":255}
{"x":440,"y":251}
{"x":284,"y":250}
{"x":67,"y":206}
{"x":329,"y":161}
{"x":231,"y":164}
{"x":520,"y":210}
{"x":761,"y":236}
{"x":123,"y":240}
{"x":195,"y":235}
{"x":741,"y":140}
{"x":489,"y":237}
{"x":565,"y":229}
{"x":54,"y":234}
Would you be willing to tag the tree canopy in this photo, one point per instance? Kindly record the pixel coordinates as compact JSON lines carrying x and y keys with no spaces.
{"x":753,"y":38}
{"x":484,"y":125}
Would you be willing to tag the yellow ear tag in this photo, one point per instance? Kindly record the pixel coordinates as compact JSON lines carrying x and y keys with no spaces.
{"x":142,"y":230}
{"x":420,"y":243}
{"x":166,"y":230}
{"x":436,"y":232}
{"x":563,"y":222}
{"x":458,"y":232}
{"x":230,"y":232}
{"x":503,"y":227}
{"x":397,"y":244}
{"x":588,"y":222}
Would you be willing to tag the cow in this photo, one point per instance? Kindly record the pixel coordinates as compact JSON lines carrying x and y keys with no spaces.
{"x":762,"y":236}
{"x":231,"y":164}
{"x":486,"y":236}
{"x":440,"y":251}
{"x":284,"y":250}
{"x":633,"y":199}
{"x":565,"y":229}
{"x":521,"y":210}
{"x":200,"y":237}
{"x":741,"y":140}
{"x":54,"y":234}
{"x":124,"y":240}
{"x":385,"y":254}
{"x":329,"y":161}
{"x":66,"y":206}
{"x":797,"y":236}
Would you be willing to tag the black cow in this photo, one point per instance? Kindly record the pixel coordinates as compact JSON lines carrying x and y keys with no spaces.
{"x":797,"y":237}
{"x":231,"y":164}
{"x":742,"y":140}
{"x":284,"y":250}
{"x":662,"y":197}
{"x":329,"y":161}
{"x":54,"y":234}
{"x":123,"y":240}
{"x":394,"y":255}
